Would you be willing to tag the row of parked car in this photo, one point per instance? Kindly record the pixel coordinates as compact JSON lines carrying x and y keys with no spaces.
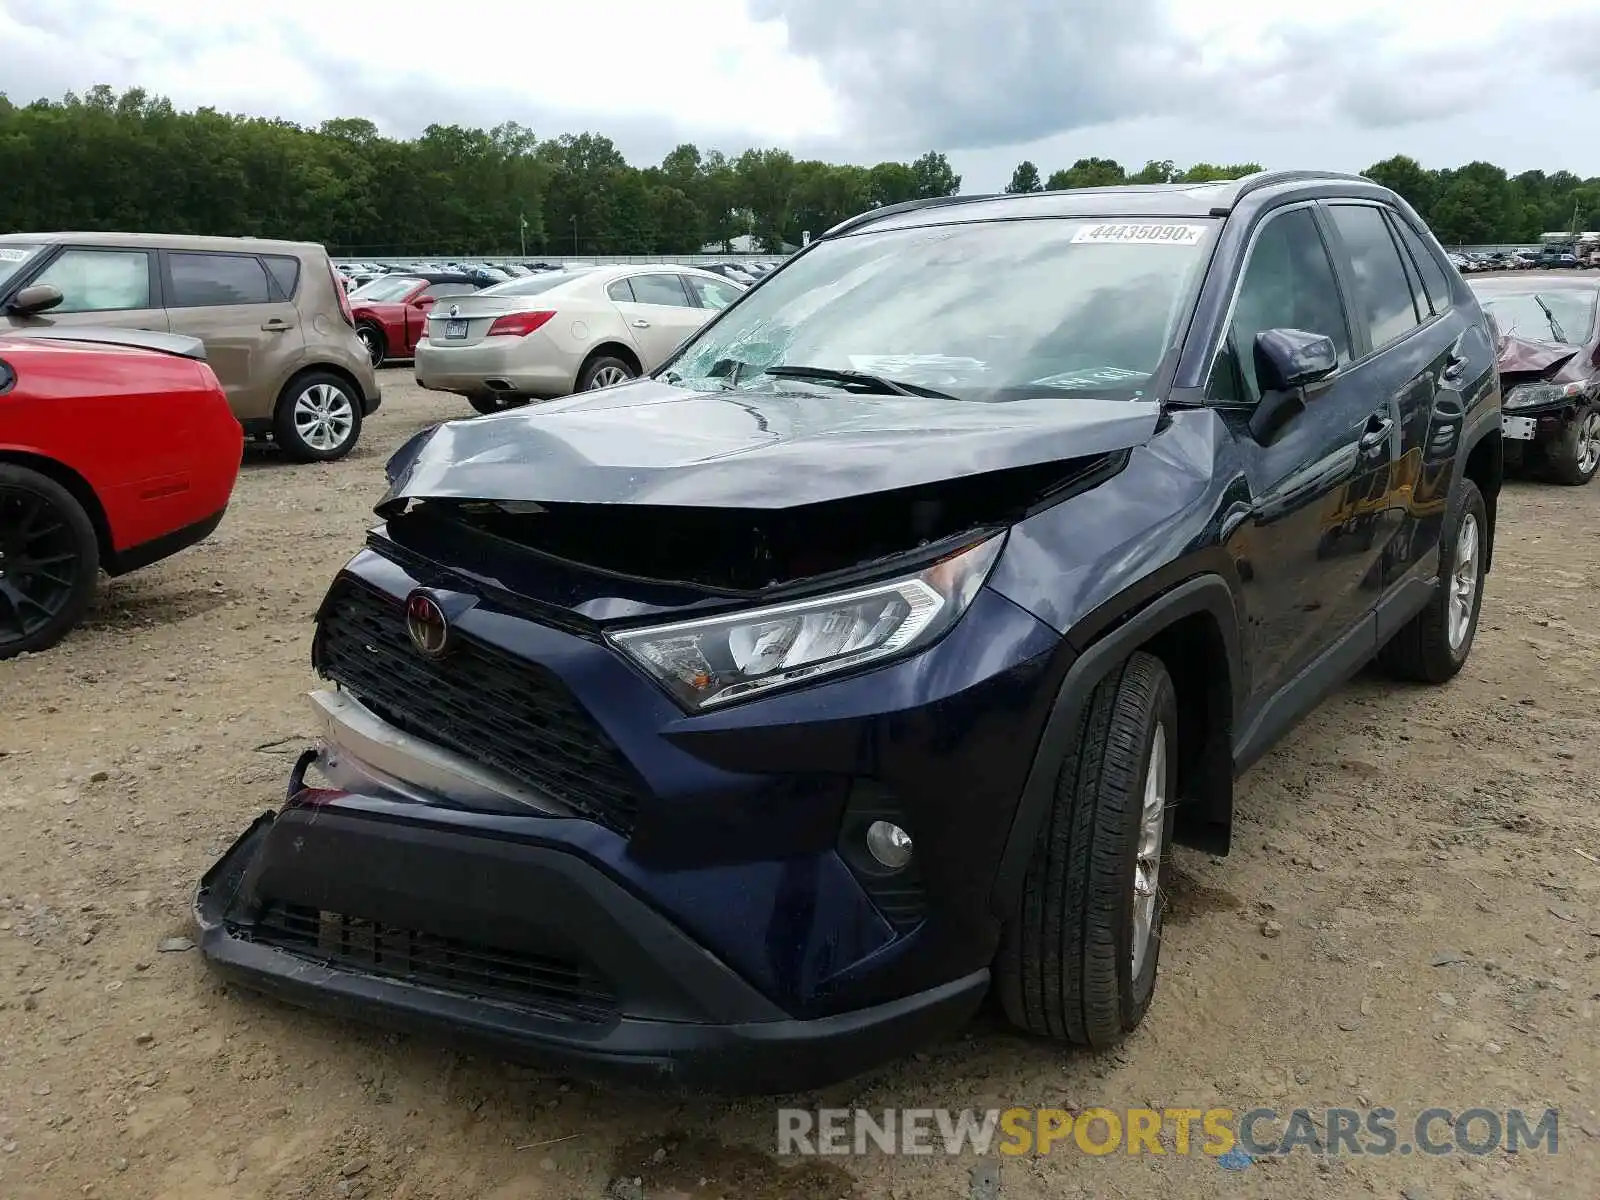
{"x":486,"y":274}
{"x":1549,"y":258}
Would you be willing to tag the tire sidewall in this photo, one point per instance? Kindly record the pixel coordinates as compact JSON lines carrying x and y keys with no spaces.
{"x":1563,"y":453}
{"x":1137,"y":991}
{"x":88,"y":568}
{"x":288,"y":437}
{"x":586,"y":379}
{"x":1469,"y":499}
{"x":375,"y":343}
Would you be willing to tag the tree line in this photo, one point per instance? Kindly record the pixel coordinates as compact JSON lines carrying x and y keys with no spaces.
{"x":131,"y":161}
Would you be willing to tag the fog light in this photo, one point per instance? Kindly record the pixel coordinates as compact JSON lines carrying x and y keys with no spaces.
{"x":889,"y":845}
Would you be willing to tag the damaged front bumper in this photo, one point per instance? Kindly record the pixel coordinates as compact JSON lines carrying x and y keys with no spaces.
{"x":474,"y":929}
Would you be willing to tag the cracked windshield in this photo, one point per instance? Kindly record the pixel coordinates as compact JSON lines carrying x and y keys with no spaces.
{"x":978,"y":311}
{"x":1558,"y":315}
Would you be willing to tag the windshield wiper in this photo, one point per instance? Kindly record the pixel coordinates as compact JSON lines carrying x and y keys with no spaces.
{"x":859,"y":379}
{"x":1555,"y":325}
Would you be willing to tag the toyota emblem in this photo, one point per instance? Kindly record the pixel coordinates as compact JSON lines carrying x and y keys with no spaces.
{"x":425,"y":622}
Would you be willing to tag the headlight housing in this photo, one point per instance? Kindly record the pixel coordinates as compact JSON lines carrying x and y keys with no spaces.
{"x":1530,"y":395}
{"x":719,"y":660}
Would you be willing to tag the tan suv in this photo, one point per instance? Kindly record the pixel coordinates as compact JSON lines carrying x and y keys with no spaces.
{"x":275,"y":322}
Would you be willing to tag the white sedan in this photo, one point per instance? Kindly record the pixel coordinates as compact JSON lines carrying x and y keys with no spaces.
{"x":558,"y":332}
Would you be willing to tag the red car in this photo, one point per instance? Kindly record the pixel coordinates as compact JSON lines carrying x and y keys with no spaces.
{"x":391,"y":311}
{"x":117,"y":448}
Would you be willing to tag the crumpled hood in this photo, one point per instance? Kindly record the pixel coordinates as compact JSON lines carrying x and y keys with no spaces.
{"x":650,"y":443}
{"x":1526,"y":356}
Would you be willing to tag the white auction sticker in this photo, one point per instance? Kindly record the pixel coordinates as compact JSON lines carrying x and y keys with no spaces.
{"x":14,"y":253}
{"x":1145,"y":235}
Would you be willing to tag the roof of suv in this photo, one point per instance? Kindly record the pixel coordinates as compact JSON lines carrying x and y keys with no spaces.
{"x":170,"y":241}
{"x":1212,"y":199}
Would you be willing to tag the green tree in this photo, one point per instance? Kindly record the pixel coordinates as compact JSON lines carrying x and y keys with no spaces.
{"x":1025,"y":179}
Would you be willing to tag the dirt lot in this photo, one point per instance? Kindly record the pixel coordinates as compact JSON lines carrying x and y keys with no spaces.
{"x":1409,"y":920}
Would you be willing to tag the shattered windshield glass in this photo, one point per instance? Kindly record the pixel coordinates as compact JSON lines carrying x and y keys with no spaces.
{"x":1564,"y":315}
{"x":990,"y":310}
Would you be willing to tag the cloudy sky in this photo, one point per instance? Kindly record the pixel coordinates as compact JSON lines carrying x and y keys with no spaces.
{"x":1339,"y":84}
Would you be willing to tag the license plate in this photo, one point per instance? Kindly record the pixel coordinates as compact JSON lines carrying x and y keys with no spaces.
{"x":1520,"y":428}
{"x":455,"y":329}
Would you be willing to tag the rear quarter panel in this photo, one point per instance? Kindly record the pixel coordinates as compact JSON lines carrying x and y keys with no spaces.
{"x":152,"y":435}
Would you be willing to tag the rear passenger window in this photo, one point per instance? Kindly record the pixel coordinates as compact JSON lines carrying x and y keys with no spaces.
{"x":660,"y":289}
{"x":99,"y":280}
{"x":285,"y":272}
{"x":1383,"y":299}
{"x":209,"y":280}
{"x":621,"y":291}
{"x":1434,"y":281}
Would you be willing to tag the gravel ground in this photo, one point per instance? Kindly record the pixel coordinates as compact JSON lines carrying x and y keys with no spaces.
{"x":1409,"y":919}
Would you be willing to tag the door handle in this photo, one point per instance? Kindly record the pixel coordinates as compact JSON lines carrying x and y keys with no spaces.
{"x":276,"y":325}
{"x":1377,"y":432}
{"x":641,"y":323}
{"x":1454,"y":368}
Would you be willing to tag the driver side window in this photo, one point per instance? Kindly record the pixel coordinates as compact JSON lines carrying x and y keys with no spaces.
{"x":1287,"y":284}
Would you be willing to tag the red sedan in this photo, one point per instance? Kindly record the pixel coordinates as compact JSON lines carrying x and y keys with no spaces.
{"x":117,"y":448}
{"x":391,"y":311}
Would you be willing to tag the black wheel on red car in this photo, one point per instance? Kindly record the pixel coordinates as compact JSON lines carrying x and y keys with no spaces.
{"x":1078,"y":959}
{"x":1575,"y":455}
{"x":49,"y":560}
{"x":376,"y":344}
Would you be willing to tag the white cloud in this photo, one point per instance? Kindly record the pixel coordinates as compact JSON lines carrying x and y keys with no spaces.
{"x":1341,"y":84}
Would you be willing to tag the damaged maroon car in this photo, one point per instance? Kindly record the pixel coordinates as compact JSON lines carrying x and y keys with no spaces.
{"x":1549,"y":359}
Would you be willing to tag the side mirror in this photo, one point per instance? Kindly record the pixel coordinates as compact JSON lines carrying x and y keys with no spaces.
{"x":1288,"y":361}
{"x":38,"y":298}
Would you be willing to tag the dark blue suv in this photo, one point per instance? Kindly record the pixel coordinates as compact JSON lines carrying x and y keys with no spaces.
{"x":745,"y":725}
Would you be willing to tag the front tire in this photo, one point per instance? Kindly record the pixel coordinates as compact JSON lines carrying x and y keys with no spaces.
{"x":377,"y":346}
{"x":318,"y":418}
{"x":1433,"y":646}
{"x":1575,"y":455}
{"x":49,"y":561}
{"x":1078,"y":960}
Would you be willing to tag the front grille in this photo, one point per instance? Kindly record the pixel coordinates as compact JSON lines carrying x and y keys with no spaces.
{"x":497,"y":710}
{"x":554,"y":987}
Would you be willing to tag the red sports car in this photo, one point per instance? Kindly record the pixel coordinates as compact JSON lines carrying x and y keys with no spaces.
{"x":117,"y":448}
{"x":391,"y":311}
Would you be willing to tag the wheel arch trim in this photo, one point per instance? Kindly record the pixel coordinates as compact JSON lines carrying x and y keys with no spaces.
{"x":1202,"y":594}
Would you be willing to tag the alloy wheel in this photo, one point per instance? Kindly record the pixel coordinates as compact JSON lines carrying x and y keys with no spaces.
{"x":1464,"y":581}
{"x":369,"y":339}
{"x":608,"y":377}
{"x":1147,"y":860}
{"x":324,"y":417}
{"x":39,"y":562}
{"x":1589,"y":442}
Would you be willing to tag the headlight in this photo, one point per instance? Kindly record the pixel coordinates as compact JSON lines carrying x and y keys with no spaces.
{"x":1527,"y":395}
{"x":722,"y":659}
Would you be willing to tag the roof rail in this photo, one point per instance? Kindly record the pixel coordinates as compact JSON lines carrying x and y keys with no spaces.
{"x":1264,"y":179}
{"x":872,"y":214}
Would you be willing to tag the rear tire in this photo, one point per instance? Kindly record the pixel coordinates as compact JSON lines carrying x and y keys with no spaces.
{"x":603,"y":372}
{"x":318,"y":418}
{"x":49,"y":561}
{"x":1575,"y":455}
{"x":1078,"y":960}
{"x":1434,"y":644}
{"x":485,"y":402}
